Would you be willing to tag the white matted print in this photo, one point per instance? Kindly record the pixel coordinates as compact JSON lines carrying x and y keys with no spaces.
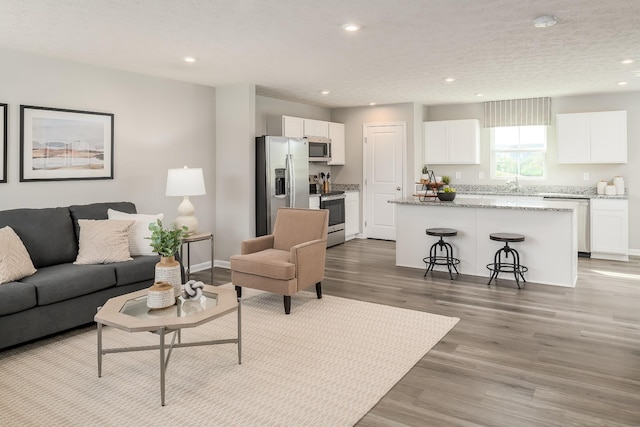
{"x":3,"y":142}
{"x":57,"y":144}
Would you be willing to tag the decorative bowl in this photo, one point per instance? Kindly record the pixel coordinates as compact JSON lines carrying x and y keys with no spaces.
{"x":446,"y":197}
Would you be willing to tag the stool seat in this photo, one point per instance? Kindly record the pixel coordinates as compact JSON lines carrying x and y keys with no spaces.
{"x":441,"y":232}
{"x":506,"y":237}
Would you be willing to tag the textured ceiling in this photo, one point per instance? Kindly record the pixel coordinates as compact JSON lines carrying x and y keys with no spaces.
{"x":292,"y":49}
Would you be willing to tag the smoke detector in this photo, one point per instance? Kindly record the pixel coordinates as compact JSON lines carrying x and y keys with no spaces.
{"x":545,"y":21}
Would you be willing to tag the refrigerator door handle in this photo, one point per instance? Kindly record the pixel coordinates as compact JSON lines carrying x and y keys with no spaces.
{"x":292,"y":181}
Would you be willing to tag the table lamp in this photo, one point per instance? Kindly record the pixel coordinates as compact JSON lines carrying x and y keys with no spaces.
{"x":185,"y":182}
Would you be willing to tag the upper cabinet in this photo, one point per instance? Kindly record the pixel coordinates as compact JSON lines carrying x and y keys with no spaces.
{"x":316,"y":128}
{"x":297,"y":127}
{"x":336,"y":134}
{"x":452,"y":141}
{"x":592,"y":137}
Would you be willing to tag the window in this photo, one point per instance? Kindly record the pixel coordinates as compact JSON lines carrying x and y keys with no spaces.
{"x":518,"y":151}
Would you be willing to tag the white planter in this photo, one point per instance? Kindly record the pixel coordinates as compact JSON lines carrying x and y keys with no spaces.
{"x":168,"y":270}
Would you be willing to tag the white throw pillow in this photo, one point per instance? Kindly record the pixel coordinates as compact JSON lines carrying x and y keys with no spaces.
{"x":103,"y":241}
{"x":139,"y":243}
{"x":15,"y":262}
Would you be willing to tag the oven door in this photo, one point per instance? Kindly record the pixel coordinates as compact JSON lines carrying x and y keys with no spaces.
{"x":336,"y":210}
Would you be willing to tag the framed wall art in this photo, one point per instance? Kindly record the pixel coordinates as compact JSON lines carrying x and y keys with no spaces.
{"x":58,"y":144}
{"x":3,"y":142}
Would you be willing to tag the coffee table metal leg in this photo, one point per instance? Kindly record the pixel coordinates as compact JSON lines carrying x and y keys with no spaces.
{"x":162,"y":367}
{"x":239,"y":331}
{"x":99,"y":349}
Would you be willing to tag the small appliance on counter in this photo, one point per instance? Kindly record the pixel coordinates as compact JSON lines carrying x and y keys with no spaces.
{"x":313,"y":184}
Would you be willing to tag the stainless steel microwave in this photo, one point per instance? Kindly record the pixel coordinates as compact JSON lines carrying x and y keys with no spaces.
{"x":319,"y":149}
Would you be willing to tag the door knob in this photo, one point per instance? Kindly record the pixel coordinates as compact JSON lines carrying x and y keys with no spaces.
{"x":398,"y":188}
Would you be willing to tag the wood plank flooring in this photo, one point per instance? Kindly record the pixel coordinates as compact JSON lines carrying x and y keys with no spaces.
{"x":540,"y":356}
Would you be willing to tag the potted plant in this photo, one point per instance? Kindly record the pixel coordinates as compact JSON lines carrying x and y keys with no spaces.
{"x":446,"y":180}
{"x":425,"y":174}
{"x":166,"y":243}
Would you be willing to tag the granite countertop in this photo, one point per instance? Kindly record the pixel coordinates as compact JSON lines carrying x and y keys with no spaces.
{"x":555,"y":191}
{"x":527,"y":205}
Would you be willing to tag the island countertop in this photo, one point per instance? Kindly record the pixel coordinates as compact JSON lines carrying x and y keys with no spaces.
{"x":497,"y":203}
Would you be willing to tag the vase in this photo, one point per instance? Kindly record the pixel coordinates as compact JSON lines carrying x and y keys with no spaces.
{"x":168,"y":270}
{"x":618,"y":181}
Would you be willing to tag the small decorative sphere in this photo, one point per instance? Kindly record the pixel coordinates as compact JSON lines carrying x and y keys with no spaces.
{"x":192,"y":290}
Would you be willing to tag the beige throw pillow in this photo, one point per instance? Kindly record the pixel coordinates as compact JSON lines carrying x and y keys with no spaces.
{"x":139,"y":242}
{"x":103,"y":241}
{"x":15,"y":262}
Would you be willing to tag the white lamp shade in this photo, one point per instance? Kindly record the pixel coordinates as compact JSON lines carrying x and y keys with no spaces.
{"x":185,"y":182}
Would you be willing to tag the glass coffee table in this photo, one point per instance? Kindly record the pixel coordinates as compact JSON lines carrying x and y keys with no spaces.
{"x":130,"y":313}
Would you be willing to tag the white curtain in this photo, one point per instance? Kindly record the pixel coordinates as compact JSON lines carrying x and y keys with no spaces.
{"x":517,"y":112}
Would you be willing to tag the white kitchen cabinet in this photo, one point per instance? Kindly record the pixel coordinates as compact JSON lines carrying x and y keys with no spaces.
{"x":352,"y":214}
{"x":336,"y":134}
{"x":610,"y":229}
{"x":314,"y":201}
{"x":292,"y":127}
{"x":316,"y":128}
{"x":452,"y":142}
{"x":599,"y":137}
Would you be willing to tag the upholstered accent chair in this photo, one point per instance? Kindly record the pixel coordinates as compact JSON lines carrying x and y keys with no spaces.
{"x":287,"y":261}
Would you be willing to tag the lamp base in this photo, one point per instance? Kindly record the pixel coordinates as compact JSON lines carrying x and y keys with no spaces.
{"x":191,"y":222}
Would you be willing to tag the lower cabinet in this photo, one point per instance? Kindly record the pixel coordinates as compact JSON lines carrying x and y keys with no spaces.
{"x":352,"y":214}
{"x":610,"y":229}
{"x":314,"y":201}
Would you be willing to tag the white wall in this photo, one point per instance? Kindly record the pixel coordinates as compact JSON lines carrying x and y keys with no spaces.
{"x":560,"y":174}
{"x":235,"y":166}
{"x":159,"y":124}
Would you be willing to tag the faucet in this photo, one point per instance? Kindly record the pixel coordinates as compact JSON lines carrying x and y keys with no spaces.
{"x":514,"y":184}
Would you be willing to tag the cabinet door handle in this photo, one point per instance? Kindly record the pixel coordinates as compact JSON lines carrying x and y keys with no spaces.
{"x":398,"y":188}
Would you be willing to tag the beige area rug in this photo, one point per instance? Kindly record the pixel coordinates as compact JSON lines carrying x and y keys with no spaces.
{"x":326,"y":364}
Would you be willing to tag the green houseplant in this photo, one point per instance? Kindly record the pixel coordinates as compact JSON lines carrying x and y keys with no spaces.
{"x":446,"y":179}
{"x":166,"y":243}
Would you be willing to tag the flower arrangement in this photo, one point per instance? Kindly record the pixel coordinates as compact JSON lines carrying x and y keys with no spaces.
{"x":166,"y":242}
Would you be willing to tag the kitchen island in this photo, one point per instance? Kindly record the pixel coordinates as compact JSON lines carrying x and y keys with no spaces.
{"x":550,"y":250}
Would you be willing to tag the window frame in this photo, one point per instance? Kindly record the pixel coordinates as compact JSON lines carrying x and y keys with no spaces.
{"x":493,"y":152}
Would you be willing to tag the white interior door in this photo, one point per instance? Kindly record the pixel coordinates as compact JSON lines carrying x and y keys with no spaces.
{"x":383,"y":169}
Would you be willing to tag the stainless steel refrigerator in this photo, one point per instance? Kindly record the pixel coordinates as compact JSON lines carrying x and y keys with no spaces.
{"x":282,"y":178}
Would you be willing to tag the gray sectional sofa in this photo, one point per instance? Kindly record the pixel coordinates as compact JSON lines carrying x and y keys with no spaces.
{"x":62,"y":295}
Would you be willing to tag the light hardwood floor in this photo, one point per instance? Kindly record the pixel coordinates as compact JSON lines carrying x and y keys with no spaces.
{"x":539,"y":356}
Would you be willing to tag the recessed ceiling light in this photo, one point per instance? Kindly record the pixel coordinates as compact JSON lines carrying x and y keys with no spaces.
{"x":189,"y":59}
{"x":622,"y":83}
{"x":372,"y":103}
{"x":351,"y":27}
{"x":627,"y":61}
{"x":545,"y":21}
{"x":479,"y":94}
{"x":325,"y":92}
{"x":449,"y":79}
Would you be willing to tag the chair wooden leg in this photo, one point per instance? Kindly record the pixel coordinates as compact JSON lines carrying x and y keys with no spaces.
{"x":287,"y":304}
{"x":239,"y":291}
{"x":319,"y":290}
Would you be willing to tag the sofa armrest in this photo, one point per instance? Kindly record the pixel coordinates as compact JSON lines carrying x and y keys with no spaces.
{"x":257,"y":244}
{"x":309,"y":258}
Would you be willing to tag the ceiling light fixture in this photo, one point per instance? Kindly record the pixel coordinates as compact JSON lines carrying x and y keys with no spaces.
{"x":351,"y":27}
{"x":627,"y":61}
{"x":325,"y":92}
{"x":372,"y":103}
{"x":479,"y":94}
{"x":449,"y":79}
{"x":622,"y":83}
{"x":545,"y":21}
{"x":189,"y":59}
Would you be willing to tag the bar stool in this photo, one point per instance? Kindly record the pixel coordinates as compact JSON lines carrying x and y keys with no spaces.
{"x":433,"y":259}
{"x":500,"y":266}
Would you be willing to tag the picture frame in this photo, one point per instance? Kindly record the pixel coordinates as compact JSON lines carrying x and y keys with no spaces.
{"x":62,"y":145}
{"x":4,"y":114}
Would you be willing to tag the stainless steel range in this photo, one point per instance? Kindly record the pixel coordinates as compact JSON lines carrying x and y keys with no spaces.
{"x":334,"y":202}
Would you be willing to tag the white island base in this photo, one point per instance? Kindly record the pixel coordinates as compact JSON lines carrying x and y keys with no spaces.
{"x":550,"y":249}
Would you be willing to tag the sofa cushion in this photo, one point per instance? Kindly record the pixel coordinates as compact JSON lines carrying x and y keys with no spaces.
{"x":271,"y":263}
{"x":103,"y":241}
{"x":47,"y":234}
{"x":16,"y":297}
{"x":97,"y":211}
{"x":139,"y":236}
{"x":141,"y":268}
{"x":15,"y":262}
{"x":64,"y":281}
